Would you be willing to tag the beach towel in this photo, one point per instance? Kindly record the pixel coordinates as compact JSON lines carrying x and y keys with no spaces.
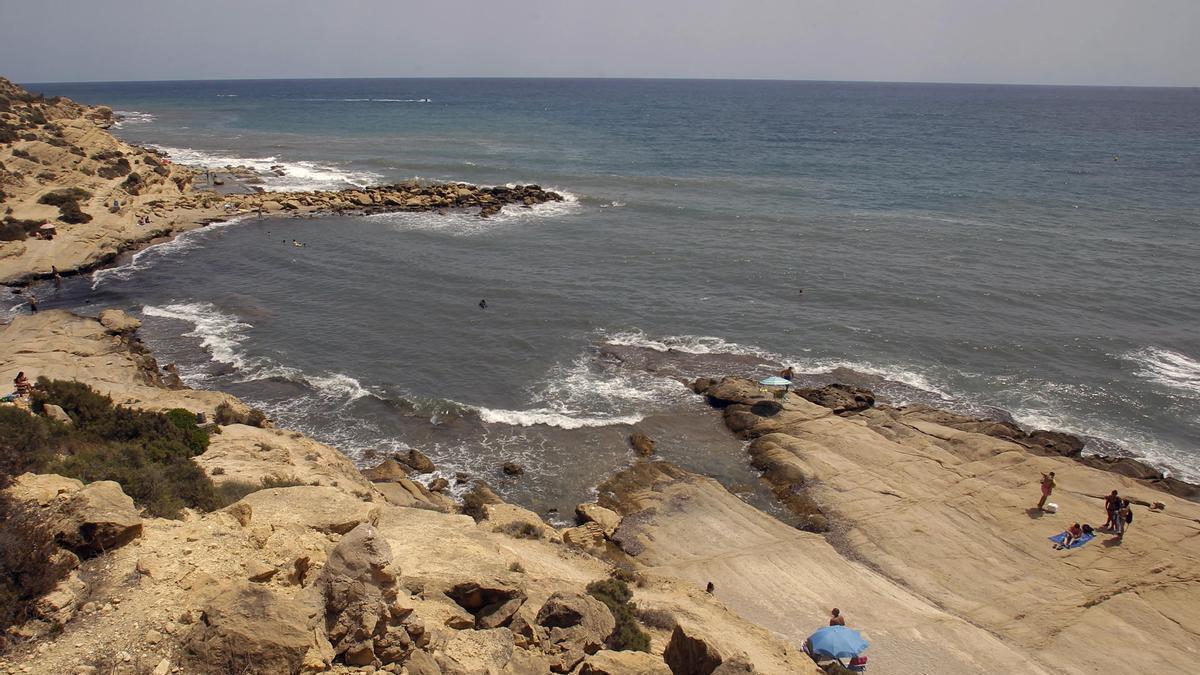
{"x":1058,"y":539}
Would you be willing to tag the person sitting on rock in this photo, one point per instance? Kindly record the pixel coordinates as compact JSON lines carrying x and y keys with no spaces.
{"x":788,"y":373}
{"x":836,"y":618}
{"x":1072,"y":535}
{"x":22,"y":384}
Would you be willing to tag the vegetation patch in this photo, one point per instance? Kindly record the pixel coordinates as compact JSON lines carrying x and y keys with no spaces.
{"x":134,"y":183}
{"x":12,"y":229}
{"x":67,"y":200}
{"x":225,"y":415}
{"x":115,"y":169}
{"x":234,"y":490}
{"x":628,"y":635}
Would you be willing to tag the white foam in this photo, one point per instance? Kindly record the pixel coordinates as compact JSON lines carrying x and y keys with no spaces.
{"x":125,"y":117}
{"x":150,"y":255}
{"x":369,"y":100}
{"x":529,"y":418}
{"x":220,"y":334}
{"x":689,"y":344}
{"x":467,"y":222}
{"x":1170,"y":369}
{"x":298,"y":175}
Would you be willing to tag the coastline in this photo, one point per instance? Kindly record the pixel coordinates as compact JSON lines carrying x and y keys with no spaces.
{"x":939,"y":560}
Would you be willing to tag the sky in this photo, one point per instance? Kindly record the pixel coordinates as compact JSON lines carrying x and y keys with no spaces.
{"x":1098,"y":42}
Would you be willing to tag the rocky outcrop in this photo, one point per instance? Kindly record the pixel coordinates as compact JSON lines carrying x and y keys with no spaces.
{"x":86,"y":519}
{"x":623,"y":663}
{"x":641,"y":443}
{"x":358,"y":585}
{"x":840,"y":398}
{"x":250,"y":628}
{"x":118,"y":322}
{"x":689,"y":652}
{"x":576,"y":625}
{"x":607,"y":519}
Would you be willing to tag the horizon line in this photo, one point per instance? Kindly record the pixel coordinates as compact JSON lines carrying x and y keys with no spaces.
{"x":622,"y":77}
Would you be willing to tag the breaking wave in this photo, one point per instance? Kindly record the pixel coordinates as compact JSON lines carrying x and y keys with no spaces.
{"x":128,"y":117}
{"x":298,"y":175}
{"x":1170,"y":369}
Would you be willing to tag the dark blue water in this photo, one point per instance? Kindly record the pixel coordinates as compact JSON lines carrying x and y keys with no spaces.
{"x":1028,"y":249}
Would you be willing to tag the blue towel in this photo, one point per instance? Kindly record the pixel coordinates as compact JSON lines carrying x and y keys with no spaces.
{"x":1061,"y":536}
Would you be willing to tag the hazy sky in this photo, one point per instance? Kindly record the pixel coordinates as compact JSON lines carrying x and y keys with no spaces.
{"x":1142,"y":42}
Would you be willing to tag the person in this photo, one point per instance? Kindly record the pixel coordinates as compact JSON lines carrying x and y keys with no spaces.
{"x":57,"y":277}
{"x":1125,"y":518}
{"x":33,"y":303}
{"x":836,"y":618}
{"x":788,"y":373}
{"x":22,"y":384}
{"x":483,"y":304}
{"x":1112,"y":504}
{"x":1048,"y":486}
{"x":1070,"y":536}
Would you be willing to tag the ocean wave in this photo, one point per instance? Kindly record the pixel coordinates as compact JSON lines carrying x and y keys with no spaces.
{"x":298,"y":175}
{"x":1170,"y":369}
{"x":222,"y":335}
{"x":529,"y":418}
{"x":150,"y":255}
{"x":467,"y":222}
{"x":690,"y":344}
{"x":125,"y":117}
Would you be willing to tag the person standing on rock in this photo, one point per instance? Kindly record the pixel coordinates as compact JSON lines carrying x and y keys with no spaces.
{"x":1048,"y":486}
{"x":57,"y":277}
{"x":1112,"y":504}
{"x":1124,"y":518}
{"x":836,"y":618}
{"x":32,"y":303}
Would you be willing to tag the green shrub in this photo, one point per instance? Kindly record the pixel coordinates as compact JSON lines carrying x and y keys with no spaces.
{"x":17,"y":230}
{"x":148,"y":453}
{"x":64,"y":196}
{"x":195,"y":437}
{"x":615,"y":594}
{"x":23,"y":154}
{"x":30,"y":563}
{"x":119,"y":168}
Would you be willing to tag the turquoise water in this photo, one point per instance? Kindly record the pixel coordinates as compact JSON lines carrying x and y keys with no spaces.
{"x":1023,"y":251}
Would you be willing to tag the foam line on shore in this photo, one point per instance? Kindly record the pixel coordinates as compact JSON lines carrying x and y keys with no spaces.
{"x":1173,"y":370}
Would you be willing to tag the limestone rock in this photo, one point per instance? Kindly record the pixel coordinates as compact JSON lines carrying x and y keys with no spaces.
{"x":515,"y":520}
{"x":576,"y":622}
{"x":360,"y":591}
{"x":690,"y":652}
{"x":642,"y":443}
{"x":622,"y":663}
{"x":840,"y":398}
{"x":421,"y":662}
{"x":476,"y":651}
{"x":119,"y":323}
{"x":588,"y":535}
{"x":492,"y":603}
{"x":98,"y":518}
{"x":250,"y":628}
{"x":735,"y":666}
{"x":417,"y":461}
{"x":389,"y":470}
{"x":607,"y":519}
{"x":57,"y":414}
{"x":322,"y":508}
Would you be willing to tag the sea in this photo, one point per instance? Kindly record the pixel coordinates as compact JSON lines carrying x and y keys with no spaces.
{"x":1029,"y":253}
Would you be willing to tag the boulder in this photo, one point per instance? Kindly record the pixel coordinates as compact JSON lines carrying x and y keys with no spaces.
{"x":57,"y":414}
{"x":840,"y":398}
{"x":736,"y":666}
{"x":1053,"y":443}
{"x":515,"y":520}
{"x":622,"y":663}
{"x":359,"y":588}
{"x":575,"y":622}
{"x":468,"y":652}
{"x":642,"y":443}
{"x":118,"y":323}
{"x":417,"y":461}
{"x":513,"y":469}
{"x":492,"y":603}
{"x":389,"y":470}
{"x":690,"y":652}
{"x":248,"y":628}
{"x":99,"y":517}
{"x":326,"y":509}
{"x":607,"y":519}
{"x":588,"y":535}
{"x":421,"y":662}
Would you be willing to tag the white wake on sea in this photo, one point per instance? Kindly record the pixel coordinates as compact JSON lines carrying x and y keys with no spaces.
{"x":1170,"y":369}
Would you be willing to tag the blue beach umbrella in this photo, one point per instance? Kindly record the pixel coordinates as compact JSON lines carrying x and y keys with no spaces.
{"x":775,"y":381}
{"x":837,"y":642}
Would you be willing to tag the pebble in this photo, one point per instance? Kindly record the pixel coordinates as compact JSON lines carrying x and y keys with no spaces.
{"x":171,"y":628}
{"x":125,"y":656}
{"x":153,"y":637}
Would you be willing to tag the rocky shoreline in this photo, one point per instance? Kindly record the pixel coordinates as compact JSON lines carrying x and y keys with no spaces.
{"x":917,"y":522}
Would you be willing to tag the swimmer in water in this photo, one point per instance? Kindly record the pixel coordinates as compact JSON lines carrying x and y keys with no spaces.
{"x":483,"y":304}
